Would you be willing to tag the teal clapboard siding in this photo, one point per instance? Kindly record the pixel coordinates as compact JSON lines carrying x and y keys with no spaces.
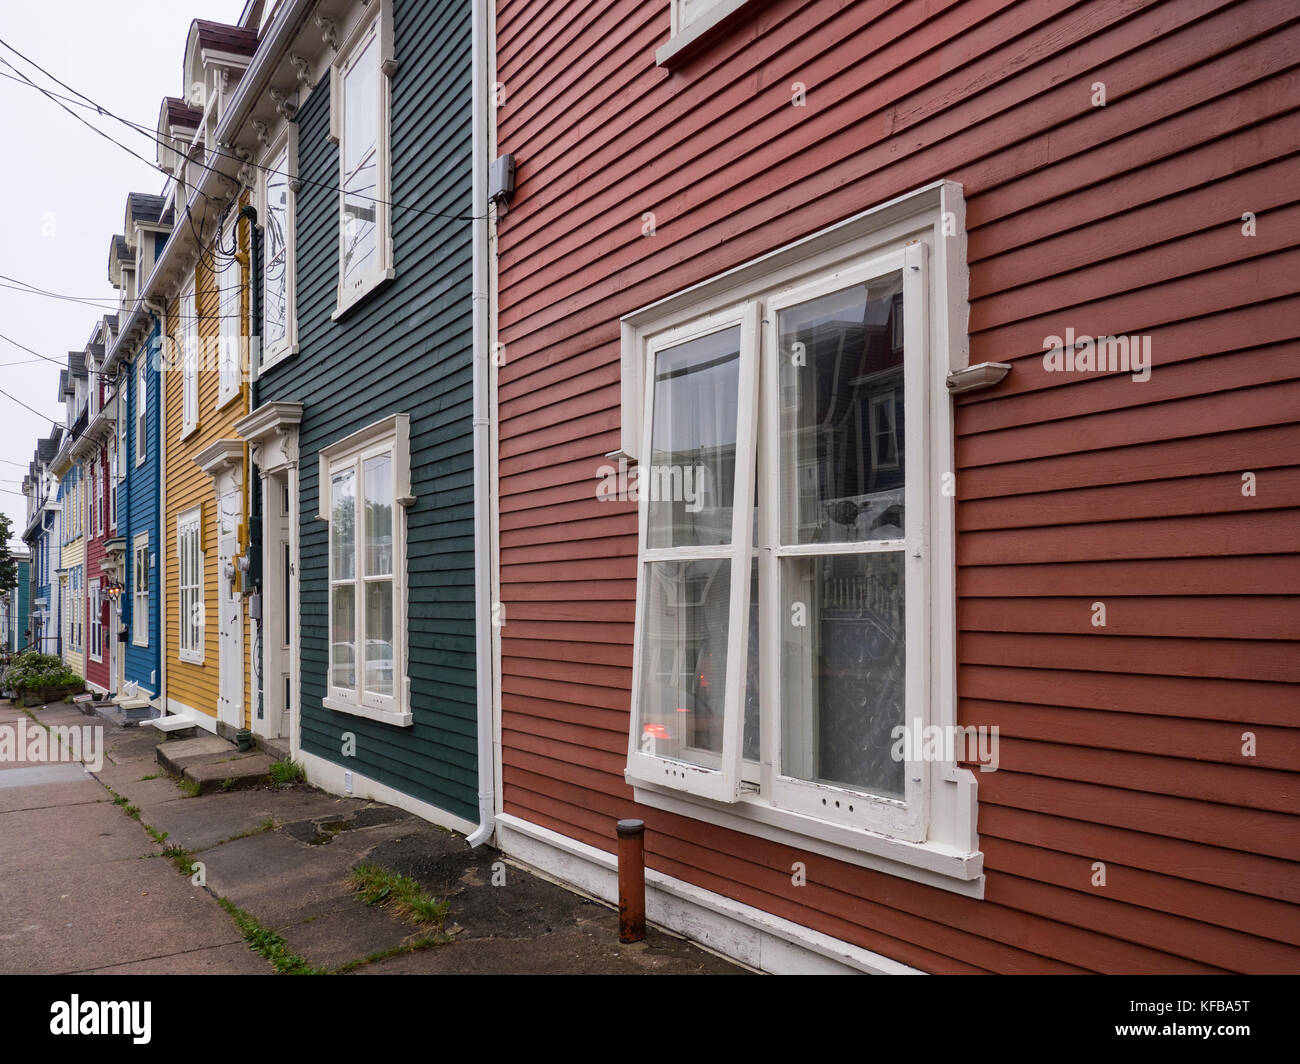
{"x":406,"y":349}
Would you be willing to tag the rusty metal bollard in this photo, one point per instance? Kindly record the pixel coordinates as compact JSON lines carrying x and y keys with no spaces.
{"x":631,"y":880}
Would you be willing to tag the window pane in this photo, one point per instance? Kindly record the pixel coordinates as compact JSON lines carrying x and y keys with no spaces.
{"x":684,"y":660}
{"x":343,"y":551}
{"x":275,"y":293}
{"x":360,"y":164}
{"x":841,"y":399}
{"x":343,"y":623}
{"x":377,"y":482}
{"x":842,"y":669}
{"x":379,"y":637}
{"x":690,"y":479}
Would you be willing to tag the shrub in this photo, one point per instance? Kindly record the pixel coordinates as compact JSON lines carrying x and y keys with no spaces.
{"x":31,"y":670}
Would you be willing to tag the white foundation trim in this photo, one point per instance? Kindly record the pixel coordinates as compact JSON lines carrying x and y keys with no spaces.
{"x":749,"y":935}
{"x":329,"y":777}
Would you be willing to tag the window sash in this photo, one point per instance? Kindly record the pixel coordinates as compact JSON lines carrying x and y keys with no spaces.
{"x":230,"y":289}
{"x":719,"y":778}
{"x":189,"y":359}
{"x":190,"y":587}
{"x":141,"y":409}
{"x":359,"y":580}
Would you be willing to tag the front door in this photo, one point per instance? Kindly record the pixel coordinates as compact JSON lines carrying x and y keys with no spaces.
{"x":277,"y":607}
{"x":230,"y":679}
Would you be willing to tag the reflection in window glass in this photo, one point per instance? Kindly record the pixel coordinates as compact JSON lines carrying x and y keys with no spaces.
{"x":841,"y":398}
{"x":690,"y":479}
{"x":684,"y":660}
{"x":377,"y":477}
{"x":843,"y":671}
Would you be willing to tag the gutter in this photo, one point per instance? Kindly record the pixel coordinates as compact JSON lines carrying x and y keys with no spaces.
{"x":481,"y":113}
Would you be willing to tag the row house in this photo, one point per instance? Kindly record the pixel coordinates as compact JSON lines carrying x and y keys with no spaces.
{"x":15,"y":604}
{"x":822,"y":281}
{"x":41,"y":536}
{"x":853,"y":440}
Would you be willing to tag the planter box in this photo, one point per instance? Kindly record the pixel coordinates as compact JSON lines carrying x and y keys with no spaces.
{"x":39,"y":696}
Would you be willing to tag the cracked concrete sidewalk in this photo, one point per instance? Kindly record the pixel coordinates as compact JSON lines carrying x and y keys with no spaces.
{"x":85,"y":888}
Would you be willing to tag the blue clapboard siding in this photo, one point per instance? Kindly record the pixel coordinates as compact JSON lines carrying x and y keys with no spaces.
{"x":142,"y":664}
{"x":407,"y":349}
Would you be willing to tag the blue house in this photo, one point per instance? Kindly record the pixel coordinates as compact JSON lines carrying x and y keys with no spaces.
{"x":40,"y":627}
{"x":132,"y":368}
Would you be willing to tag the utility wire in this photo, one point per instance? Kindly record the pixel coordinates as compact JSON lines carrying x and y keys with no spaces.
{"x":152,"y":135}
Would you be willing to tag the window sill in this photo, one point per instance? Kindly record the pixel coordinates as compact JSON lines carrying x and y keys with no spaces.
{"x":224,"y":401}
{"x":190,"y":658}
{"x":373,"y":284}
{"x":399,"y":719}
{"x":273,"y":360}
{"x":683,"y":43}
{"x":142,"y":646}
{"x":930,"y":863}
{"x":187,"y":432}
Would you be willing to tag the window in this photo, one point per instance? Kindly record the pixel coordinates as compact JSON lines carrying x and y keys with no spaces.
{"x":140,"y":590}
{"x":96,"y":523}
{"x":794,"y":610}
{"x":189,"y":606}
{"x":112,"y":483}
{"x":359,"y":121}
{"x":189,"y":355}
{"x":365,"y":483}
{"x":78,"y":610}
{"x":279,"y":325}
{"x":230,"y":308}
{"x":96,"y":627}
{"x":141,"y":409}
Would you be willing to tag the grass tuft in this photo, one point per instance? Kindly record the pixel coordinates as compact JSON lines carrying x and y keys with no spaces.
{"x":376,"y":885}
{"x":262,"y":940}
{"x":286,"y":773}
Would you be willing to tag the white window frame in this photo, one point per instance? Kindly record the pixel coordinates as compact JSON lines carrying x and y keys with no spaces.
{"x":96,"y":650}
{"x":230,"y":287}
{"x":140,"y":594}
{"x":930,"y":835}
{"x":282,"y":158}
{"x":189,"y":586}
{"x":390,"y":436}
{"x":114,"y":465}
{"x":188,"y":327}
{"x":377,"y":23}
{"x":141,"y":408}
{"x":690,"y":20}
{"x":96,"y":498}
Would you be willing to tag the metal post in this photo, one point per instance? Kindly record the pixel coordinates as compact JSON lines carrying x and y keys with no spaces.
{"x":631,"y":880}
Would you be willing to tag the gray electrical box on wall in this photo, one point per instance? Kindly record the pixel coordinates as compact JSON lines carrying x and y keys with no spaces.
{"x":501,"y":182}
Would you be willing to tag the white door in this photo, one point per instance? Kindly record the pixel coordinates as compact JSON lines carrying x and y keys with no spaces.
{"x":230,"y":679}
{"x":277,"y":607}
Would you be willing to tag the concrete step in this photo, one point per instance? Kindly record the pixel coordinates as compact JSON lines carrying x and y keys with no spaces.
{"x":278,"y":749}
{"x":174,"y":727}
{"x":213,"y":763}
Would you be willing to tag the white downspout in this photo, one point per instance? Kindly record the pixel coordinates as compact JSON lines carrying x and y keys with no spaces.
{"x":482,"y":426}
{"x":159,"y":311}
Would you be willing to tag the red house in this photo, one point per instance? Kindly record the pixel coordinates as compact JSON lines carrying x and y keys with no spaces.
{"x":896,"y":475}
{"x":97,"y":450}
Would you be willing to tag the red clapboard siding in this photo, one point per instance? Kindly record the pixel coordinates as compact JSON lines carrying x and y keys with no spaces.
{"x":1120,"y":744}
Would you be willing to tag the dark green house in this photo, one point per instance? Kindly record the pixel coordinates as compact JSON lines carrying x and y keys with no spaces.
{"x":356,"y":132}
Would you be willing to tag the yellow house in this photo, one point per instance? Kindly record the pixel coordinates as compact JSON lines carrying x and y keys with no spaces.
{"x":205,"y":485}
{"x":74,"y":389}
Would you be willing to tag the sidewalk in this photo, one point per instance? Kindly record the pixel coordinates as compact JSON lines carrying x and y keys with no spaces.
{"x":84,"y":887}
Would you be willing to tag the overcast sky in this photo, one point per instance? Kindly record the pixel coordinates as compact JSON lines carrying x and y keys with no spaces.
{"x":64,"y":187}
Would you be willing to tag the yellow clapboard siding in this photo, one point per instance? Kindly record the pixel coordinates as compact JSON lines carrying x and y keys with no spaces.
{"x":197,"y":685}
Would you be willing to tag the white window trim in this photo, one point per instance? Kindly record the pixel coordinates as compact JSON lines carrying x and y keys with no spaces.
{"x":189,"y":331}
{"x":286,"y":146}
{"x":691,"y":20}
{"x":945,"y":850}
{"x":230,"y":283}
{"x":380,"y":21}
{"x":139,"y":601}
{"x":141,"y":408}
{"x":96,"y":628}
{"x":185,"y":522}
{"x":393,"y":435}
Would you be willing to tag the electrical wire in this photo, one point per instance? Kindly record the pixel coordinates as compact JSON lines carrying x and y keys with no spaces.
{"x":152,"y":135}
